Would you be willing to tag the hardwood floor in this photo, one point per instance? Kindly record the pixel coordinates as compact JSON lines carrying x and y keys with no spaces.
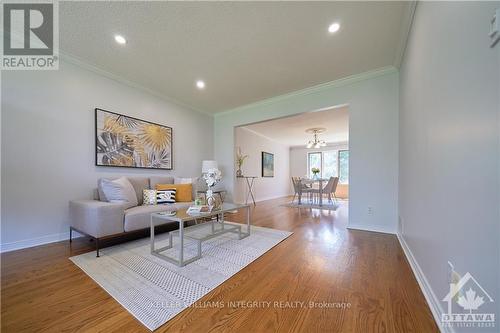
{"x":321,"y":262}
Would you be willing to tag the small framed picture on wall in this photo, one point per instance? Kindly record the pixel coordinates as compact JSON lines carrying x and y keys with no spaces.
{"x":267,"y":164}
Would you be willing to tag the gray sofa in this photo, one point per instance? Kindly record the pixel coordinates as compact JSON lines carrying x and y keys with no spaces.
{"x":101,"y":219}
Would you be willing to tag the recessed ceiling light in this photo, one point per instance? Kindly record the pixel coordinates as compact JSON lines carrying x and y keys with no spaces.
{"x":334,"y":27}
{"x":200,"y":84}
{"x":120,"y":39}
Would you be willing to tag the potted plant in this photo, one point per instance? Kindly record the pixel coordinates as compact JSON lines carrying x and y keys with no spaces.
{"x":240,"y":159}
{"x":315,"y":172}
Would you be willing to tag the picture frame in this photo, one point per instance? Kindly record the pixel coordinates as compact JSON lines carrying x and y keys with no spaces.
{"x":129,"y":142}
{"x":267,"y":164}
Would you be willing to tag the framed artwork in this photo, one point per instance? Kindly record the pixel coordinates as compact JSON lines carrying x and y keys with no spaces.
{"x":267,"y":164}
{"x":123,"y":141}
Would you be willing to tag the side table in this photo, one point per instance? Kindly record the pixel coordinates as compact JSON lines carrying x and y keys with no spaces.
{"x":249,"y":181}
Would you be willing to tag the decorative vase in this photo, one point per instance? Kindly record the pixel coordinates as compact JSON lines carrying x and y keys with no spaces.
{"x":210,"y":199}
{"x":315,"y":176}
{"x":239,"y":173}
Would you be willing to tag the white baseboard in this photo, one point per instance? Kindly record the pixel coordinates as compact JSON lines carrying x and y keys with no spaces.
{"x":267,"y":198}
{"x":430,"y":297}
{"x":26,"y":243}
{"x":371,"y":228}
{"x":273,"y":197}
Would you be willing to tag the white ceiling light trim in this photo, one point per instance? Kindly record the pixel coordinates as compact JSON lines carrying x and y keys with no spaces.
{"x":200,"y":84}
{"x":120,"y":39}
{"x":334,"y":27}
{"x":316,"y":142}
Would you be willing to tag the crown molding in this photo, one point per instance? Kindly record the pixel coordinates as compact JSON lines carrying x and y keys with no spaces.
{"x":315,"y":89}
{"x":406,"y":24}
{"x":74,"y":60}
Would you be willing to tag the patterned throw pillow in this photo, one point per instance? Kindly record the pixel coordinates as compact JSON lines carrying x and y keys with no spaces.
{"x":149,"y":197}
{"x":165,"y":196}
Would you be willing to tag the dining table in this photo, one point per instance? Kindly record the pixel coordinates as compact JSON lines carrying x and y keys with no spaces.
{"x":311,"y":182}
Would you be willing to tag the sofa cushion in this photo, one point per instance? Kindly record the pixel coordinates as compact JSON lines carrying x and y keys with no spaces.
{"x":138,"y":183}
{"x":193,"y":180}
{"x":139,"y":217}
{"x":155,"y":180}
{"x":119,"y":191}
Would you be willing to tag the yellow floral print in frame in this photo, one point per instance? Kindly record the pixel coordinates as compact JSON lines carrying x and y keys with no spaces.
{"x":123,"y":141}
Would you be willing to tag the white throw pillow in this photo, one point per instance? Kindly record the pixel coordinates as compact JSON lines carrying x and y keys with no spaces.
{"x":120,"y":191}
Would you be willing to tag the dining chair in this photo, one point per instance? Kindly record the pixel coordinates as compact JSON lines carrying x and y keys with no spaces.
{"x":329,"y":188}
{"x":299,"y":188}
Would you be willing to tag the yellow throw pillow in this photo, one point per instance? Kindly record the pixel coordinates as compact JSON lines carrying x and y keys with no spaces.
{"x":183,"y":191}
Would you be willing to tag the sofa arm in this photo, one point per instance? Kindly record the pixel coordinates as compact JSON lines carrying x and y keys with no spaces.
{"x":96,"y":218}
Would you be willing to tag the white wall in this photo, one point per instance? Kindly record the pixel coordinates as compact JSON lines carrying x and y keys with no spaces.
{"x":253,"y":144}
{"x":299,"y":156}
{"x":373,"y":139}
{"x":48,"y":145}
{"x":449,"y":145}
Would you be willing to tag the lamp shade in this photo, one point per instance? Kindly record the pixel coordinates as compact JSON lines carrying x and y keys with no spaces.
{"x":207,"y":165}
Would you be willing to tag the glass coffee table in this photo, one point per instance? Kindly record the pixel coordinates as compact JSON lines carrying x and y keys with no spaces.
{"x":198,"y":232}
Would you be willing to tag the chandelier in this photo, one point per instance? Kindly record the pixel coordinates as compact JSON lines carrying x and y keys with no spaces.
{"x":316,"y":142}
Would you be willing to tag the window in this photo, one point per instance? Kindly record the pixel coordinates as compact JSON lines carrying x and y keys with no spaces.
{"x":344,"y":166}
{"x":331,"y":163}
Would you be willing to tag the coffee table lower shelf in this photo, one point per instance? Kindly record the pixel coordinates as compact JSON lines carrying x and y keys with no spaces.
{"x":198,"y":232}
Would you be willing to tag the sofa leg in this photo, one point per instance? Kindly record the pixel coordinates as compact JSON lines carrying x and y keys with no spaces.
{"x":97,"y":247}
{"x":70,"y":234}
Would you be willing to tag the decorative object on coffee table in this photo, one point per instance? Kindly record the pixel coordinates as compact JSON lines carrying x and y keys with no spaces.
{"x":123,"y":141}
{"x":217,"y":193}
{"x":211,"y":175}
{"x":267,"y":164}
{"x":240,"y":159}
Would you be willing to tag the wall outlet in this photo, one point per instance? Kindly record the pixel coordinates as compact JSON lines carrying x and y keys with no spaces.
{"x":370,"y":210}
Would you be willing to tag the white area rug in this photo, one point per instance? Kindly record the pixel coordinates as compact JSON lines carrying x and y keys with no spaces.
{"x":153,"y":290}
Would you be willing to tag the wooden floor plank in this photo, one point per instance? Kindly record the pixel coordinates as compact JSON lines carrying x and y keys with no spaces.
{"x":322,"y":262}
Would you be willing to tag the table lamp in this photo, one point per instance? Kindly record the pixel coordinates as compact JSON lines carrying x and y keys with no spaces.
{"x":207,"y":165}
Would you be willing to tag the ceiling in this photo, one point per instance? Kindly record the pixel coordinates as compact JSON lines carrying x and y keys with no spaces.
{"x":291,"y":131}
{"x":244,"y":51}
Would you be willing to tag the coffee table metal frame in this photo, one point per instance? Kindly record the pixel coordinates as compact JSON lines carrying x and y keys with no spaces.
{"x":183,"y":217}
